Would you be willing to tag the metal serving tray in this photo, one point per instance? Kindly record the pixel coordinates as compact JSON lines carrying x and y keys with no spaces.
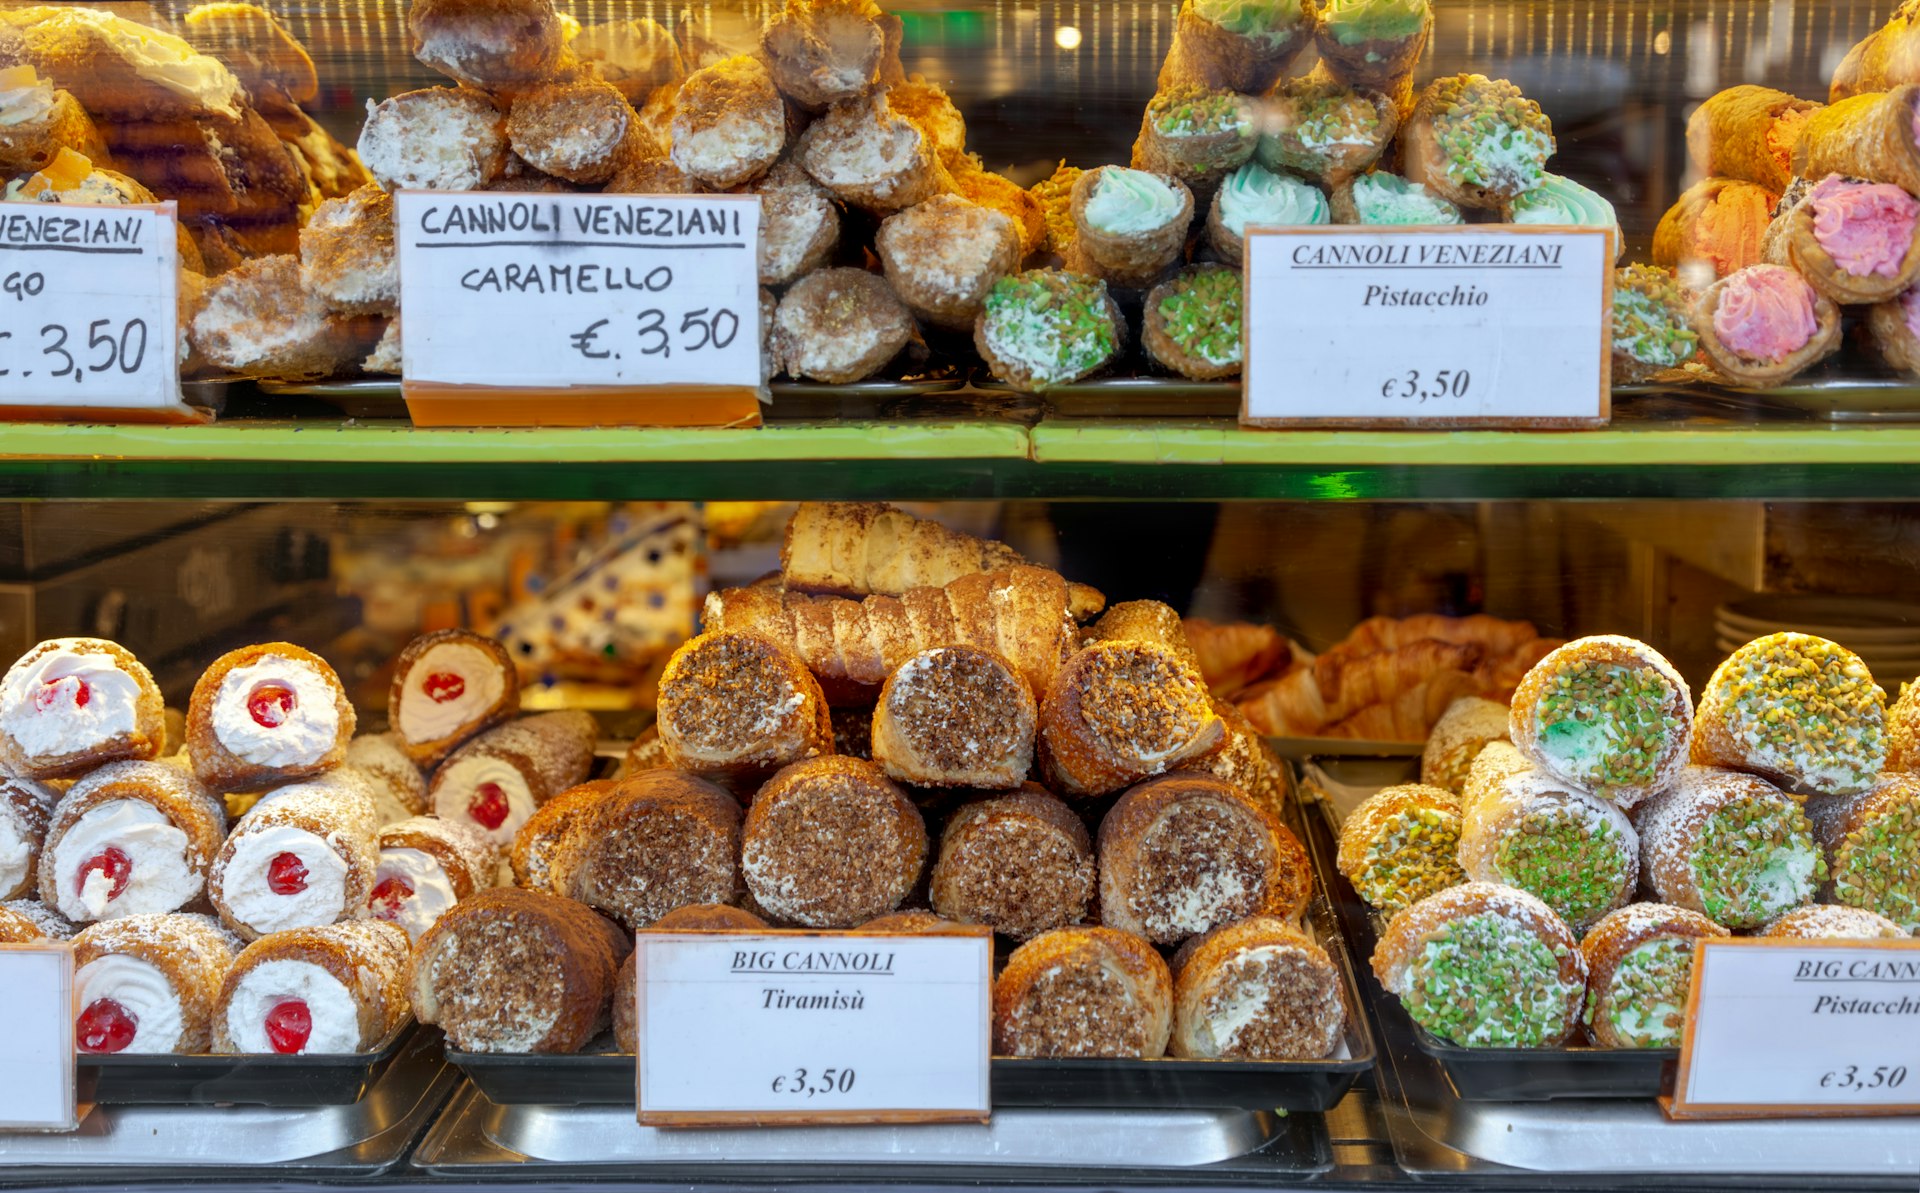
{"x":1136,"y":397}
{"x":281,"y":1081}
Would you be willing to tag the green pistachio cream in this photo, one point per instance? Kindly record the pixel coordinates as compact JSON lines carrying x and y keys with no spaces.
{"x":1131,"y":202}
{"x":1570,"y":859}
{"x":1383,"y":198}
{"x":1201,"y":312}
{"x":1255,"y":196}
{"x":1352,"y":22}
{"x":1269,"y":22}
{"x":1877,"y":866}
{"x":1054,"y":324}
{"x":1559,"y":200}
{"x":1490,"y":134}
{"x":1482,"y":981}
{"x":1649,"y":317}
{"x":1755,"y":859}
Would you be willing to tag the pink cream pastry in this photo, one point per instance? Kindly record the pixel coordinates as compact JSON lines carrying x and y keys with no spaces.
{"x":1866,"y":227}
{"x":1764,"y":324}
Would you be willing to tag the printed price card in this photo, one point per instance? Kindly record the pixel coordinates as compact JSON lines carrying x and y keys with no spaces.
{"x":557,"y":294}
{"x":36,"y":1049}
{"x":795,"y":1027}
{"x":89,"y":312}
{"x":1782,"y":1028}
{"x":1478,"y":325}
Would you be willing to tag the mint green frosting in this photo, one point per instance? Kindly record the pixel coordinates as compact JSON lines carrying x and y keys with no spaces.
{"x":1351,"y":22}
{"x":1267,"y":21}
{"x":1383,"y":198}
{"x":1131,"y":202}
{"x":1559,"y":200}
{"x":1255,"y":195}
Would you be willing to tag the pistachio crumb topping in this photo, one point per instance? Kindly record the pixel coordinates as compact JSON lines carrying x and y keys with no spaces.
{"x":1647,"y":998}
{"x":1754,"y":858}
{"x":1190,"y":110}
{"x":1414,"y":857}
{"x":1201,"y":311}
{"x":1490,"y":133}
{"x":1056,"y":324}
{"x":1877,"y":866}
{"x":1607,"y":724}
{"x":1484,"y":981}
{"x":1573,"y":862}
{"x":1807,"y":708}
{"x":1649,"y":317}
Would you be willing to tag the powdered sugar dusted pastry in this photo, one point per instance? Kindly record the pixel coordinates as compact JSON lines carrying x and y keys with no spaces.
{"x":839,"y":326}
{"x":824,"y":51}
{"x":830,"y":843}
{"x":634,"y":55}
{"x":1118,"y":712}
{"x":659,"y":840}
{"x":943,"y":256}
{"x":1576,"y":852}
{"x":698,"y":917}
{"x":347,"y":254}
{"x":129,"y":838}
{"x":334,"y":988}
{"x":448,"y":686}
{"x":871,"y":156}
{"x":1400,"y":845}
{"x":259,"y":321}
{"x":539,"y":838}
{"x":1607,"y":714}
{"x":1185,"y":853}
{"x":799,"y":224}
{"x":1729,"y":845}
{"x":1466,"y":728}
{"x":426,"y":866}
{"x":386,"y":356}
{"x":1495,"y":761}
{"x":496,"y":44}
{"x":1021,"y":864}
{"x":1639,"y":971}
{"x":149,"y":984}
{"x":735,"y":707}
{"x":1828,"y":921}
{"x":1799,"y":710}
{"x":496,"y":780}
{"x":304,"y":856}
{"x":1083,"y":992}
{"x":955,"y":716}
{"x":573,"y":130}
{"x":729,"y":123}
{"x":1260,"y":989}
{"x":23,"y":921}
{"x":1872,"y":842}
{"x":437,"y":139}
{"x":266,"y":715}
{"x":70,"y":704}
{"x":1245,"y":760}
{"x":26,"y":808}
{"x":381,"y":764}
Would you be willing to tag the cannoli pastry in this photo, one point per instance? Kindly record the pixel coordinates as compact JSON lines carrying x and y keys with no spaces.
{"x":1749,"y":132}
{"x":148,"y":984}
{"x":955,"y":716}
{"x":1389,"y":200}
{"x":1047,"y":327}
{"x":1715,"y":228}
{"x":729,"y":123}
{"x":1798,"y":710}
{"x":1154,"y":622}
{"x":71,"y":704}
{"x":1495,"y":761}
{"x":275,"y":68}
{"x":1130,"y":226}
{"x":1256,"y":197}
{"x":1475,"y":141}
{"x":517,"y":971}
{"x":259,"y":321}
{"x":121,"y":70}
{"x":1730,"y":846}
{"x":1872,"y":841}
{"x":1185,"y":853}
{"x":37,"y":121}
{"x":26,"y":808}
{"x":497,"y":779}
{"x":830,"y":843}
{"x":506,"y":44}
{"x":1020,"y":863}
{"x":651,"y":176}
{"x":1119,"y":712}
{"x":1574,"y":851}
{"x":439,"y":138}
{"x":1401,"y":845}
{"x":266,"y":715}
{"x":1903,"y":729}
{"x":574,"y":130}
{"x":381,"y":765}
{"x":1562,"y":202}
{"x":1869,"y":136}
{"x":1466,"y":728}
{"x":534,"y":846}
{"x":1765,"y":325}
{"x":305,"y":856}
{"x":1640,"y":973}
{"x":1373,"y":44}
{"x":448,"y":686}
{"x":1196,"y":134}
{"x":1191,"y":323}
{"x":328,"y":989}
{"x":1652,"y":328}
{"x":696,"y":917}
{"x":1323,"y":130}
{"x":659,"y":840}
{"x":1260,"y":989}
{"x":426,"y":866}
{"x":73,"y":178}
{"x":928,"y":105}
{"x":822,"y":52}
{"x":1083,"y":991}
{"x":1245,"y":760}
{"x":735,"y":707}
{"x":635,"y":56}
{"x":1854,"y":242}
{"x":1827,"y":921}
{"x":24,"y":921}
{"x":1894,"y":327}
{"x":1237,"y":45}
{"x":799,"y":224}
{"x":131,"y":838}
{"x":347,"y":254}
{"x":872,"y":157}
{"x":840,"y":326}
{"x":944,"y":255}
{"x":975,"y":183}
{"x":1607,"y":714}
{"x":1054,"y":194}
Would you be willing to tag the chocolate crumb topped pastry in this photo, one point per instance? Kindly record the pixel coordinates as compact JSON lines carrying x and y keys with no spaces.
{"x":697,"y":917}
{"x":1083,"y":992}
{"x":659,"y":840}
{"x":955,"y":716}
{"x":1400,"y":845}
{"x":1021,"y":864}
{"x":1574,"y":851}
{"x":1119,"y":712}
{"x":1467,"y":727}
{"x":1729,"y":845}
{"x":830,"y":843}
{"x":1872,"y":842}
{"x":1048,"y":327}
{"x":1797,"y":710}
{"x":1475,"y":141}
{"x":1191,"y":323}
{"x":1185,"y":853}
{"x":735,"y":707}
{"x":1639,"y":970}
{"x":1828,"y":921}
{"x":1607,"y":714}
{"x":536,"y":842}
{"x":1485,"y":966}
{"x":1260,"y":989}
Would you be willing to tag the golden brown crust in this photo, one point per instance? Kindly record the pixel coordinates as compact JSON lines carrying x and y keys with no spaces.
{"x":428,"y":753}
{"x":368,"y":957}
{"x":1205,"y":54}
{"x":1427,"y":820}
{"x":839,"y":326}
{"x":26,"y":809}
{"x":140,"y":743}
{"x":1732,"y":135}
{"x":736,"y":707}
{"x":1021,"y":864}
{"x":1900,"y":348}
{"x":170,"y":790}
{"x":487,"y":43}
{"x":336,"y":817}
{"x":1678,"y":240}
{"x":467,"y":857}
{"x":534,"y":844}
{"x":1608,"y":942}
{"x":830,"y":843}
{"x":821,"y":52}
{"x":1295,"y":989}
{"x":1245,"y":760}
{"x":1887,"y":57}
{"x":219,"y":768}
{"x":659,"y":840}
{"x":1825,"y":342}
{"x":729,"y":123}
{"x":873,"y":157}
{"x":572,"y":130}
{"x":1903,"y":729}
{"x":1233,"y":655}
{"x":1083,"y":992}
{"x":954,"y":716}
{"x":1663,"y":744}
{"x":1375,"y":65}
{"x":699,"y":917}
{"x":1119,"y":712}
{"x":1791,"y":242}
{"x":192,"y":951}
{"x":269,"y":62}
{"x":1134,"y":261}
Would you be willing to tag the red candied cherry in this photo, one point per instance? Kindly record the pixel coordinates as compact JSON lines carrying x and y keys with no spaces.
{"x":388,"y":894}
{"x":289,"y":1025}
{"x":105,"y":1026}
{"x":286,"y":874}
{"x":111,"y":861}
{"x":442,"y":686}
{"x":271,"y":704}
{"x":52,"y":690}
{"x":489,"y":805}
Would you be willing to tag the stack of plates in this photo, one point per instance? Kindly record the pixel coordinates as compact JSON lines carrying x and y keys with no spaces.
{"x":1885,"y":634}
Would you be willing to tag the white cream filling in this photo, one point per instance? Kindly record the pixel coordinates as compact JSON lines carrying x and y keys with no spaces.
{"x":161,"y":58}
{"x":143,"y":991}
{"x":1247,"y":1004}
{"x":336,"y":1017}
{"x":311,"y":727}
{"x":432,"y":889}
{"x":15,"y":851}
{"x":254,"y":903}
{"x":160,"y":879}
{"x":26,"y":105}
{"x":459,"y":783}
{"x":421,"y":718}
{"x":39,"y":706}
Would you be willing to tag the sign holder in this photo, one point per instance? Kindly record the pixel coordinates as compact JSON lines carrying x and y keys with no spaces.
{"x":37,"y":1086}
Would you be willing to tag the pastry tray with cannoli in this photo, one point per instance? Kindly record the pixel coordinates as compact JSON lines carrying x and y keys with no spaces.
{"x":251,"y":1080}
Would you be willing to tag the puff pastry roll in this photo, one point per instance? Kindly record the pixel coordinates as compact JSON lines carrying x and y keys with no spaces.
{"x":1260,"y":989}
{"x":1639,"y":973}
{"x":23,"y":921}
{"x":830,"y":843}
{"x":131,"y":838}
{"x":334,"y":988}
{"x":1119,"y":712}
{"x":1465,"y":729}
{"x":735,"y":707}
{"x":660,"y":840}
{"x":71,"y":704}
{"x":382,"y":766}
{"x":304,"y":856}
{"x":1872,"y":842}
{"x":448,"y":686}
{"x":1607,"y":714}
{"x":1021,"y":864}
{"x":955,"y":716}
{"x":266,"y":715}
{"x":26,"y":808}
{"x":1401,"y":845}
{"x":1729,"y":845}
{"x":426,"y":866}
{"x":1829,"y":921}
{"x":1799,"y":711}
{"x":1576,"y":852}
{"x":150,"y":983}
{"x":1083,"y":992}
{"x":539,"y":838}
{"x":495,"y":781}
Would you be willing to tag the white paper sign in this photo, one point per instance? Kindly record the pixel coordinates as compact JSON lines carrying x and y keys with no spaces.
{"x":1803,"y":1027}
{"x":36,"y":1048}
{"x":563,"y":291}
{"x":89,"y":307}
{"x":1455,"y":326}
{"x":799,"y":1027}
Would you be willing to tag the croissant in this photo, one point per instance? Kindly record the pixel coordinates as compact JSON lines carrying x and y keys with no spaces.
{"x":1349,"y":684}
{"x":1289,"y":706}
{"x":1236,"y":654}
{"x":1409,"y":716}
{"x":1495,"y":636}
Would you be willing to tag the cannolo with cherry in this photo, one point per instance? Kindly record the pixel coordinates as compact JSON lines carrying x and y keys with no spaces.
{"x":130,"y":838}
{"x":304,"y":856}
{"x":267,"y":715}
{"x":426,"y":866}
{"x":448,"y":686}
{"x":72,"y":704}
{"x":148,"y":984}
{"x":495,"y":781}
{"x":334,"y":988}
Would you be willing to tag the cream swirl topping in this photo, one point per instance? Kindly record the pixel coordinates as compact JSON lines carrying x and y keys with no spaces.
{"x":1255,"y":196}
{"x":157,"y":875}
{"x":448,"y":688}
{"x":64,"y":701}
{"x":1131,"y":202}
{"x":143,"y":991}
{"x":334,"y":1014}
{"x":431,"y":890}
{"x":277,"y":712}
{"x":250,"y":897}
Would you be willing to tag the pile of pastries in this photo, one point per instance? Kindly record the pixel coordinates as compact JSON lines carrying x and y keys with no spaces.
{"x":1546,"y":878}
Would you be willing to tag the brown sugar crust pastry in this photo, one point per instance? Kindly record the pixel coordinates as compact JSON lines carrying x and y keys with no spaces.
{"x":448,"y":686}
{"x":517,"y":971}
{"x":498,"y":778}
{"x":840,"y":326}
{"x":1260,"y":989}
{"x":1791,"y":241}
{"x":636,"y":56}
{"x":647,"y":752}
{"x":1465,"y":729}
{"x":1022,"y":864}
{"x":872,"y":157}
{"x":1130,"y":259}
{"x":652,"y":176}
{"x":1730,"y":846}
{"x":191,"y":954}
{"x":1213,"y":56}
{"x":572,"y":130}
{"x":799,"y":224}
{"x":830,"y":843}
{"x":1152,"y":622}
{"x":821,"y":52}
{"x":1828,"y":921}
{"x":1185,"y":853}
{"x":955,"y":716}
{"x":1639,"y":968}
{"x":1865,"y":136}
{"x":539,"y":838}
{"x":129,"y":838}
{"x":1743,"y":370}
{"x":657,"y":841}
{"x":439,"y":138}
{"x":943,"y":255}
{"x":1495,"y":761}
{"x":23,"y":921}
{"x":305,"y":856}
{"x":1083,"y":992}
{"x":265,"y":715}
{"x":1750,"y":132}
{"x":26,"y":808}
{"x":698,"y":917}
{"x":729,"y":123}
{"x":259,"y":321}
{"x":351,"y":983}
{"x":42,"y":732}
{"x":929,"y":106}
{"x":1400,"y":845}
{"x":735,"y":707}
{"x":1758,"y":703}
{"x":381,"y":765}
{"x":269,"y":62}
{"x":1119,"y":712}
{"x":347,"y":255}
{"x":973,"y":181}
{"x":487,"y":43}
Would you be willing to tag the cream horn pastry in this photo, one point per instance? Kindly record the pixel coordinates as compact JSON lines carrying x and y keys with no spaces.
{"x":1765,"y":325}
{"x":1574,"y":851}
{"x":1120,"y":712}
{"x":573,"y":130}
{"x":943,"y":256}
{"x":1401,"y":845}
{"x":448,"y":686}
{"x":148,"y":984}
{"x":1729,"y":845}
{"x":955,"y":716}
{"x":1607,"y":714}
{"x":873,"y":157}
{"x":437,"y":139}
{"x":1872,"y":842}
{"x":258,"y":320}
{"x":505,"y":44}
{"x":381,"y":765}
{"x":1237,"y":45}
{"x":635,"y":55}
{"x":1048,"y":327}
{"x":1562,"y":202}
{"x":1373,"y":44}
{"x":1715,"y":228}
{"x":267,"y":715}
{"x":1191,"y":325}
{"x":1640,"y":972}
{"x":26,"y":809}
{"x":1323,"y":130}
{"x":839,"y":326}
{"x":121,"y":70}
{"x":1130,"y":226}
{"x":1749,"y":132}
{"x":71,"y":704}
{"x":496,"y":780}
{"x":1196,"y":134}
{"x":269,"y":62}
{"x":799,"y":224}
{"x":518,"y":971}
{"x":347,"y":254}
{"x":535,"y":845}
{"x":830,"y":843}
{"x":1827,"y":921}
{"x":130,"y":838}
{"x":303,"y":857}
{"x":1854,"y":242}
{"x":821,"y":52}
{"x":38,"y":120}
{"x":735,"y":707}
{"x":729,"y":123}
{"x":426,"y":866}
{"x":1652,"y":326}
{"x":23,"y":921}
{"x":1875,"y":136}
{"x":1894,"y":327}
{"x":1475,"y":141}
{"x":1256,"y":197}
{"x":329,"y":989}
{"x":1797,"y":710}
{"x":1260,"y":989}
{"x":1083,"y":991}
{"x":698,"y":917}
{"x":1389,"y":200}
{"x":659,"y":840}
{"x":1020,"y":863}
{"x":1457,"y":739}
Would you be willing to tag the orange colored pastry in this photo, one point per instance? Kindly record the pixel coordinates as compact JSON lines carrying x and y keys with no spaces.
{"x":1119,"y":712}
{"x":1233,"y":655}
{"x":1749,"y":132}
{"x":1715,"y":228}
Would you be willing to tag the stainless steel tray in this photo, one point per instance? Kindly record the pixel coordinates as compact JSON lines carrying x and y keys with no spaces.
{"x":1136,"y":397}
{"x":1841,"y":394}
